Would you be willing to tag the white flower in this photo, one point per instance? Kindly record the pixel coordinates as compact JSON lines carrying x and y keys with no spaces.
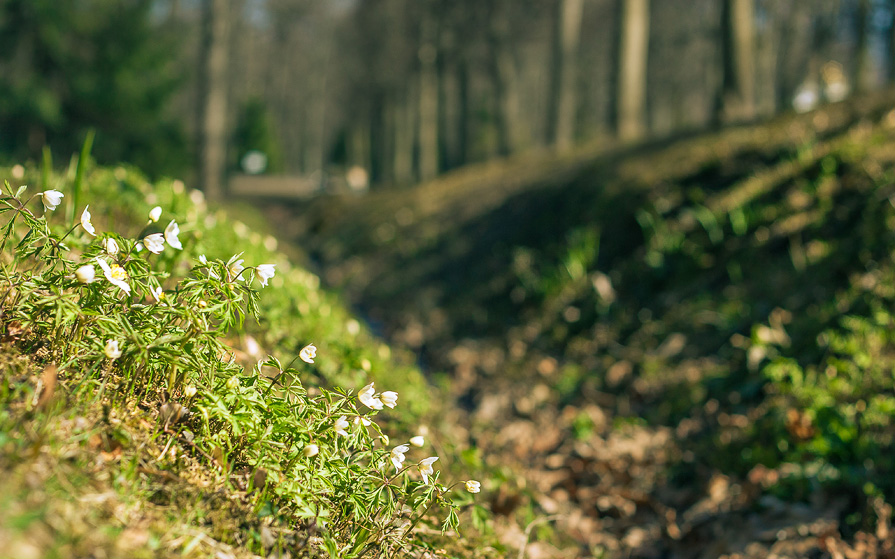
{"x":85,"y":222}
{"x":85,"y":273}
{"x":112,"y":351}
{"x":155,"y":243}
{"x":310,"y":450}
{"x":156,"y":293}
{"x":308,"y":353}
{"x":340,"y":425}
{"x":426,"y":468}
{"x":236,"y":268}
{"x":110,"y":246}
{"x":397,"y":455}
{"x":265,"y":272}
{"x":155,"y":213}
{"x":51,"y":199}
{"x":362,"y":421}
{"x":389,"y":398}
{"x":115,"y":274}
{"x":189,"y":391}
{"x":473,"y":486}
{"x":366,"y":397}
{"x":418,"y":440}
{"x":171,"y":232}
{"x":203,"y":260}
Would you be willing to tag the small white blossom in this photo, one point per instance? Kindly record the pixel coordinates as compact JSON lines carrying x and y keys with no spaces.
{"x":473,"y":486}
{"x":189,"y":391}
{"x":426,"y":468}
{"x":86,"y":273}
{"x":397,"y":455}
{"x":115,"y":274}
{"x":362,"y":421}
{"x":51,"y":199}
{"x":341,"y":425}
{"x":367,"y":398}
{"x":155,"y":243}
{"x":203,"y":260}
{"x":308,"y":353}
{"x":110,"y":246}
{"x":85,"y":222}
{"x":236,"y":268}
{"x":171,"y":233}
{"x":389,"y":398}
{"x":155,"y":213}
{"x":418,"y":440}
{"x":156,"y":293}
{"x":265,"y":272}
{"x":310,"y":450}
{"x":112,"y":350}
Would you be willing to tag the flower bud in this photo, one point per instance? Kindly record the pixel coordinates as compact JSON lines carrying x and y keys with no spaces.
{"x":310,"y":450}
{"x":85,"y":273}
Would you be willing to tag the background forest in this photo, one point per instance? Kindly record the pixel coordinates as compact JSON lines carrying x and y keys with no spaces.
{"x":408,"y":89}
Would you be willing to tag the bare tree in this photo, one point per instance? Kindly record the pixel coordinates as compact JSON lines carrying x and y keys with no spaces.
{"x":738,"y":60}
{"x":503,"y":78}
{"x":860,"y":68}
{"x":563,"y":99}
{"x":428,"y":97}
{"x":632,"y":65}
{"x":213,"y":62}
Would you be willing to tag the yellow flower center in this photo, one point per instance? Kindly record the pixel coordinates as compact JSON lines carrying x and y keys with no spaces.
{"x":118,"y":273}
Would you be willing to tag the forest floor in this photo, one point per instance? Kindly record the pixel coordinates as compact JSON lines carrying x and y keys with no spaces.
{"x":602,"y":319}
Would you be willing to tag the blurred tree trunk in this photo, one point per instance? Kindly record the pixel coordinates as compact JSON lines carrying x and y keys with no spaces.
{"x":890,"y":62}
{"x":213,"y":62}
{"x":404,"y":124}
{"x":503,"y":79}
{"x":632,"y":69}
{"x":738,"y":61}
{"x":428,"y":98}
{"x":463,"y":110}
{"x":860,"y":68}
{"x":563,"y":99}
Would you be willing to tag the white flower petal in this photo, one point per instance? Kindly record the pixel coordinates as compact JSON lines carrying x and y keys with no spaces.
{"x":171,"y":235}
{"x":155,"y":243}
{"x":85,"y":221}
{"x":308,"y":353}
{"x":112,"y":350}
{"x":389,"y":398}
{"x":51,"y":199}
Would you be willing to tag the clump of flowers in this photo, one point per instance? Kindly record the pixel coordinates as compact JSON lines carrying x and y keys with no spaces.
{"x":158,"y":325}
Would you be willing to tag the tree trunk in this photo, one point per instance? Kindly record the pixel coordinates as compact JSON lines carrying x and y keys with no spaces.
{"x":428,"y":108}
{"x":563,"y":99}
{"x":213,"y":61}
{"x":738,"y":64}
{"x":632,"y":67}
{"x":403,"y":115}
{"x":503,"y":79}
{"x":861,"y":70}
{"x":890,"y":62}
{"x":463,"y":112}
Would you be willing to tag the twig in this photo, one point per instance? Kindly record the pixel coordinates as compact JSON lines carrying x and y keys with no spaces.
{"x":528,"y":529}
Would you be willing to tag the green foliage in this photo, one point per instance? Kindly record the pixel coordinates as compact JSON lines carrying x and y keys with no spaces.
{"x":147,"y":315}
{"x":69,"y":66}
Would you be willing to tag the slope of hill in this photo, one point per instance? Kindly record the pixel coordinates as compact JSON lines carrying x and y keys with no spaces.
{"x":682,"y":349}
{"x":176,"y":387}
